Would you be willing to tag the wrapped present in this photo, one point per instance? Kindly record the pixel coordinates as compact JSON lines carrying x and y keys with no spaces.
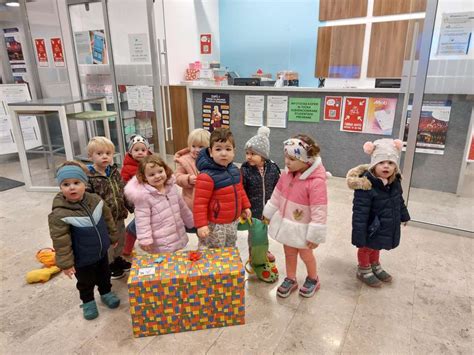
{"x":175,"y":292}
{"x":191,"y":74}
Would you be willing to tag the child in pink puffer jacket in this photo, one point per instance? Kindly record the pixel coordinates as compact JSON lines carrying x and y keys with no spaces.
{"x":297,"y":212}
{"x":160,"y":212}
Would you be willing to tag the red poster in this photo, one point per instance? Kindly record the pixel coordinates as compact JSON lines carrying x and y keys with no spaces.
{"x":471,"y":149}
{"x":206,"y":43}
{"x":41,"y":54}
{"x":57,"y":49}
{"x":332,"y":108}
{"x":354,"y":114}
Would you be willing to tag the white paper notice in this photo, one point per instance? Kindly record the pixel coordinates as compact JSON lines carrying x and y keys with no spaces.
{"x":146,"y":96}
{"x":133,"y":98}
{"x":138,"y":46}
{"x":254,"y":106}
{"x":146,"y":271}
{"x":277,"y":107}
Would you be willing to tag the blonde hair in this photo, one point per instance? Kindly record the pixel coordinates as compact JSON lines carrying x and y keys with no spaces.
{"x":199,"y":136}
{"x":153,"y":160}
{"x":98,"y":142}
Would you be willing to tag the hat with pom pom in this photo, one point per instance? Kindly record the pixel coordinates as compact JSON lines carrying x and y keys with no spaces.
{"x":260,"y":144}
{"x":383,"y":149}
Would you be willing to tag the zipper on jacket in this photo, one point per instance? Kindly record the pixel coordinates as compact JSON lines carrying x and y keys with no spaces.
{"x":174,"y":217}
{"x":236,"y":195}
{"x":263,"y":185}
{"x":93,"y":224}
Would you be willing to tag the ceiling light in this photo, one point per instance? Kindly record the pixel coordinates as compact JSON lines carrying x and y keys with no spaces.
{"x":12,"y":4}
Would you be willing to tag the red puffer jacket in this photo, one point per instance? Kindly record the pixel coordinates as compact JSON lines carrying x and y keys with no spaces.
{"x":219,"y":196}
{"x":130,"y":167}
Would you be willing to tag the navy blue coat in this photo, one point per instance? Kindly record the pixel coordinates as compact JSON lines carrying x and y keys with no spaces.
{"x":377,"y":210}
{"x":258,"y":189}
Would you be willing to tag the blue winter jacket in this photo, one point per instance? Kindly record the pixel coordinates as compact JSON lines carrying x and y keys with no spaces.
{"x":377,"y":210}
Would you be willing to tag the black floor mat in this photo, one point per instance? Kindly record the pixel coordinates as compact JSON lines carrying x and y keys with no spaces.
{"x":7,"y":184}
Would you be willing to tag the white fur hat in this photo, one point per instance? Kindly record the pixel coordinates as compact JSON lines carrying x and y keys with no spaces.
{"x":260,"y":143}
{"x":383,"y":149}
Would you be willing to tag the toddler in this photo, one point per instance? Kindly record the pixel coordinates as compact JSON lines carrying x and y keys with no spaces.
{"x":82,"y":229}
{"x":378,"y":208}
{"x":219,"y":198}
{"x":160,"y":212}
{"x":297,"y":212}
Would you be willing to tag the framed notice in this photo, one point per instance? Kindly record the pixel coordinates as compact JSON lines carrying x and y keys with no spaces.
{"x":58,"y":54}
{"x":41,"y":55}
{"x":215,"y":111}
{"x":304,"y":109}
{"x":332,"y":108}
{"x":353,"y":114}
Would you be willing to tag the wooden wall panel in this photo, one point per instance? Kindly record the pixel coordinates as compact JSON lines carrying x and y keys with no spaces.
{"x":339,"y":47}
{"x":340,"y":9}
{"x":179,"y":112}
{"x":390,"y":44}
{"x":393,"y":7}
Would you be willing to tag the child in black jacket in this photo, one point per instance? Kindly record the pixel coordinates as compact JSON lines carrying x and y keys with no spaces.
{"x":378,"y":208}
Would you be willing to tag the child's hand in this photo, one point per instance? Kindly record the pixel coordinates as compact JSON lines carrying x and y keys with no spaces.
{"x":246,"y":214}
{"x":69,"y":272}
{"x":265,"y":220}
{"x":312,"y":245}
{"x":147,"y":248}
{"x":192,"y":179}
{"x":203,"y":232}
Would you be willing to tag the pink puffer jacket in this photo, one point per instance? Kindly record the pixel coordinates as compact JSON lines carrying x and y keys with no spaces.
{"x":185,"y":166}
{"x":160,"y":218}
{"x":298,"y":207}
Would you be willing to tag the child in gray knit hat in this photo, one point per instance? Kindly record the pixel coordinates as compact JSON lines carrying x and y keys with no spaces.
{"x":378,"y":208}
{"x":259,"y":174}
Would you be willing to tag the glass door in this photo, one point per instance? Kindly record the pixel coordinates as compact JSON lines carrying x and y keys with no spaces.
{"x":439,"y":176}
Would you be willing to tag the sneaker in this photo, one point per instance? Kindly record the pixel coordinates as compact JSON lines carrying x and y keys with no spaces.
{"x":310,"y":286}
{"x":366,"y":275}
{"x":110,"y":299}
{"x":287,"y":287}
{"x":380,"y":273}
{"x":123,"y":264}
{"x":89,"y":309}
{"x":116,"y":272}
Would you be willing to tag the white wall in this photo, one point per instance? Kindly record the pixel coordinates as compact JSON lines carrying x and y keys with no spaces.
{"x":185,"y":21}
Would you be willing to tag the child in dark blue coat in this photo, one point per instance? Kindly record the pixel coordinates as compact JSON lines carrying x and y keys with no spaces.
{"x":378,"y":208}
{"x":259,"y":174}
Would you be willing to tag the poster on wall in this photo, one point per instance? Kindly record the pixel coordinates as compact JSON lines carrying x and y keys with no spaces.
{"x":58,"y":54}
{"x":138,"y":48}
{"x":254,"y":106}
{"x":206,"y":44}
{"x":433,"y":126}
{"x":140,"y":98}
{"x":215,"y":111}
{"x":470,"y":155}
{"x":41,"y":55}
{"x":15,"y":55}
{"x":91,"y":47}
{"x":353,"y":114}
{"x":277,"y":107}
{"x":455,"y":33}
{"x":380,"y":116}
{"x":304,"y":109}
{"x":332,"y":108}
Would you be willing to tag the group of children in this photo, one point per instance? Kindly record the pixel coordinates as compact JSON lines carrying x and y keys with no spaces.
{"x":87,"y":221}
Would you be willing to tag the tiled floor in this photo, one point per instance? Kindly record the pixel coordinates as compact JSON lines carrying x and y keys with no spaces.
{"x":427,"y":309}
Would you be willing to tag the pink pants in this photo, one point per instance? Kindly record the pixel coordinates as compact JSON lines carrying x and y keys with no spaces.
{"x":367,"y":256}
{"x":291,"y":257}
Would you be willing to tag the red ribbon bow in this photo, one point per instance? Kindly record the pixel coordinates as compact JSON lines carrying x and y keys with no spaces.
{"x":194,"y":255}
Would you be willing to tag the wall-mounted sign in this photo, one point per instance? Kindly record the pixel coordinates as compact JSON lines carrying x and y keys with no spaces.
{"x":206,"y":46}
{"x":41,"y":54}
{"x":138,"y":47}
{"x":215,"y":111}
{"x":380,"y":115}
{"x":354,"y":114}
{"x":304,"y":109}
{"x":58,"y":54}
{"x":332,"y":108}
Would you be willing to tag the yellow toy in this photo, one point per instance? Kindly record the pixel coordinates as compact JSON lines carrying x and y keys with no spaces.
{"x":47,"y":257}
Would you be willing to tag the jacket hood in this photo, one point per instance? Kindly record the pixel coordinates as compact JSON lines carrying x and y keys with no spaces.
{"x":129,"y":160}
{"x":180,"y":153}
{"x":95,"y":173}
{"x":204,"y":161}
{"x":361,"y":178}
{"x":137,"y":192}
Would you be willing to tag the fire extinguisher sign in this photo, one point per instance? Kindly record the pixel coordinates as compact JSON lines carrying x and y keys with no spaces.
{"x":206,"y":43}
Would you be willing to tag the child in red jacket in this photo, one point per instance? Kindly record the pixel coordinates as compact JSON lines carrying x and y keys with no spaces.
{"x":219,"y":197}
{"x":138,"y":149}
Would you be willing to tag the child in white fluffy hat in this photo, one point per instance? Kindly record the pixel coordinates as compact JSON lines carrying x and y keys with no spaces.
{"x":378,"y":208}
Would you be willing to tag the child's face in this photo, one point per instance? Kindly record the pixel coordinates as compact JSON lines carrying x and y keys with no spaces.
{"x":155,"y":175}
{"x":385,"y":169}
{"x":139,"y":151}
{"x":73,"y":189}
{"x":253,"y":158}
{"x":195,"y":148}
{"x":294,"y":164}
{"x":102,"y":157}
{"x":222,"y":153}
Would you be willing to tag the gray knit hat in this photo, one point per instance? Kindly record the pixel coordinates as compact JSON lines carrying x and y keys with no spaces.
{"x":383,"y":149}
{"x":137,"y":139}
{"x":260,"y":144}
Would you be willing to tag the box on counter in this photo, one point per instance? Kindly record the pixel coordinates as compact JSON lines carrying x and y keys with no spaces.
{"x":176,"y":294}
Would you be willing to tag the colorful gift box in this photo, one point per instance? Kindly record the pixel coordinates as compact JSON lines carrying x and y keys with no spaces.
{"x":170,"y":293}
